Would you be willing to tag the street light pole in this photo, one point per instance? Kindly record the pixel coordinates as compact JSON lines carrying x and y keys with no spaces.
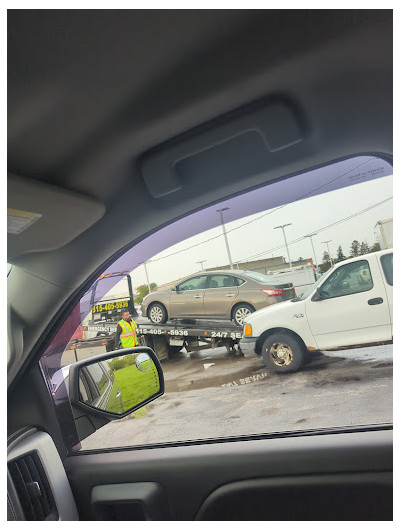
{"x":225,"y":236}
{"x":284,"y":237}
{"x":201,"y":262}
{"x":147,"y":276}
{"x":312,"y":245}
{"x":329,"y":253}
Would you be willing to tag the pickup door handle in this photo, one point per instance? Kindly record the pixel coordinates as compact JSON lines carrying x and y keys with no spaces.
{"x":230,"y":295}
{"x":378,"y":300}
{"x":198,"y":296}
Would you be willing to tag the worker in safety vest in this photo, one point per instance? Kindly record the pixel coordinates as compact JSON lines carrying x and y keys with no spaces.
{"x":126,"y":331}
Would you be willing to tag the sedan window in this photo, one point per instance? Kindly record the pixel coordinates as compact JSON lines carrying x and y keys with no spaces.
{"x":260,"y":277}
{"x":222,"y":281}
{"x":193,"y":283}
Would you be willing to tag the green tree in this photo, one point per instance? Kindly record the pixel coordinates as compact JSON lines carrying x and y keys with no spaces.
{"x":340,"y":255}
{"x":116,"y":364}
{"x":364,"y":248}
{"x":326,"y":263}
{"x":375,"y":247}
{"x":354,"y":249}
{"x":142,"y":291}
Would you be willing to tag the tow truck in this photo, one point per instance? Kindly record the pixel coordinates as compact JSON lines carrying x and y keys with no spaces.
{"x":101,"y":310}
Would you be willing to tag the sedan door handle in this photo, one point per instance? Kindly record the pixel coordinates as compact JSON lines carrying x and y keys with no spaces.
{"x":378,"y":300}
{"x":198,"y":296}
{"x":230,"y":295}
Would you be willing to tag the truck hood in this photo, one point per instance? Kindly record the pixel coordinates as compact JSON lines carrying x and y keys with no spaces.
{"x":283,"y":307}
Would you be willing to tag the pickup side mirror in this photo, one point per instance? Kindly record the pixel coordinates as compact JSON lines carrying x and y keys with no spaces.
{"x":318,"y":295}
{"x":115,"y":384}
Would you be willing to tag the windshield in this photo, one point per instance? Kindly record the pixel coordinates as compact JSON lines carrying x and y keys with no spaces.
{"x":280,"y":235}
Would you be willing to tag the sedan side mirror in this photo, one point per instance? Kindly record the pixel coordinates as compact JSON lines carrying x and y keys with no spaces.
{"x":114,"y":385}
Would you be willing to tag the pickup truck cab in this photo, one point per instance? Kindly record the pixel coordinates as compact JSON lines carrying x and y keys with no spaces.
{"x":350,"y":306}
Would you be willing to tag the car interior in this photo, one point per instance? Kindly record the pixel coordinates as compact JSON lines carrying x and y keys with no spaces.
{"x":121,"y":123}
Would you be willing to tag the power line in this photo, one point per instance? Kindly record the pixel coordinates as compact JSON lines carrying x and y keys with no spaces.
{"x":270,"y":212}
{"x":302,"y":196}
{"x":320,"y":230}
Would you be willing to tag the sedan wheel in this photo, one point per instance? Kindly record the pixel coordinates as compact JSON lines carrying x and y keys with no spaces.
{"x":241,"y":312}
{"x":157,"y":314}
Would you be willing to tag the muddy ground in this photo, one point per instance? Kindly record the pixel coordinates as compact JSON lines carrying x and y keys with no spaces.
{"x":212,"y":395}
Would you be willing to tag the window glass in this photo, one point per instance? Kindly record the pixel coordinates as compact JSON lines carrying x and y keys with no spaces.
{"x":387,"y":266}
{"x":312,"y":288}
{"x":349,"y":279}
{"x":217,"y":383}
{"x":222,"y":281}
{"x":260,"y":277}
{"x":98,"y":376}
{"x":193,"y":283}
{"x":83,"y":390}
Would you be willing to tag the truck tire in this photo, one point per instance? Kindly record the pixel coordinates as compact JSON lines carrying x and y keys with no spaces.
{"x":240,"y":312}
{"x":157,"y":313}
{"x":283,"y":353}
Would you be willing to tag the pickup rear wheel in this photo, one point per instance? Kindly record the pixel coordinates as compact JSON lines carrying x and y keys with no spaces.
{"x":157,"y":313}
{"x":282,"y":353}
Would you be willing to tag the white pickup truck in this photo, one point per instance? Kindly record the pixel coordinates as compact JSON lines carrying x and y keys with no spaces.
{"x":350,"y":306}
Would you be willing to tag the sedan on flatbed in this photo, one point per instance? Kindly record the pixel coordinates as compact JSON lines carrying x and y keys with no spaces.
{"x":216,"y":294}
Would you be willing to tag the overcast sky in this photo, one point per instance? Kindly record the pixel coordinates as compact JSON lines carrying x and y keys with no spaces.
{"x":259,"y":239}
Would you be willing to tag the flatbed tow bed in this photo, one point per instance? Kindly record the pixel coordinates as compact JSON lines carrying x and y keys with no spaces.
{"x":169,"y":338}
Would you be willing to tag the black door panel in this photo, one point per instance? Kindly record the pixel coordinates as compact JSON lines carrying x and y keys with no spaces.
{"x":189,"y":474}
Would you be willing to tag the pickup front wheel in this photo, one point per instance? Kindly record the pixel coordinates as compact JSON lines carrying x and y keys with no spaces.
{"x":282,"y":353}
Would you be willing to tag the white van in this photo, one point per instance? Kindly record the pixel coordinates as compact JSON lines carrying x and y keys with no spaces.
{"x":350,"y":306}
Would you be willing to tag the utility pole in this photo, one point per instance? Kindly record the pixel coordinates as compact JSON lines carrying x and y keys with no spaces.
{"x":329,"y":253}
{"x":147,"y":276}
{"x":201,"y":262}
{"x":312,"y":245}
{"x":284,"y":237}
{"x":221,"y":210}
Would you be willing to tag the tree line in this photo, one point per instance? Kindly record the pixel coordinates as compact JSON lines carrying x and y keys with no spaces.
{"x":356,"y":249}
{"x":142,"y":291}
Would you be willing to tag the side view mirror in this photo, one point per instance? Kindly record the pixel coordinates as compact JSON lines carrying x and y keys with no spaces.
{"x":115,"y":384}
{"x":320,"y":295}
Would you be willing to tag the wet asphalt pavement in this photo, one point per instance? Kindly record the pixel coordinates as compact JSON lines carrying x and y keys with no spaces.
{"x":211,"y":394}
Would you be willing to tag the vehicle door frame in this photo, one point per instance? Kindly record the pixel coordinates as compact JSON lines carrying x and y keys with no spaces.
{"x":226,"y":314}
{"x":331,"y":337}
{"x":196,"y":294}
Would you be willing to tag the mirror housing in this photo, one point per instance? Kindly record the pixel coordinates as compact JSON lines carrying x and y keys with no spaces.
{"x":115,"y":384}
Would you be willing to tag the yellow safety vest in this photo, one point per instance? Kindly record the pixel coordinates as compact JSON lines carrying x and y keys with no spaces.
{"x":128,"y":335}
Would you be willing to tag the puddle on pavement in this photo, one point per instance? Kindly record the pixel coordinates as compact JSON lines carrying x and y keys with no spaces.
{"x":382,"y":365}
{"x":352,"y":371}
{"x":222,"y":370}
{"x":208,"y":376}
